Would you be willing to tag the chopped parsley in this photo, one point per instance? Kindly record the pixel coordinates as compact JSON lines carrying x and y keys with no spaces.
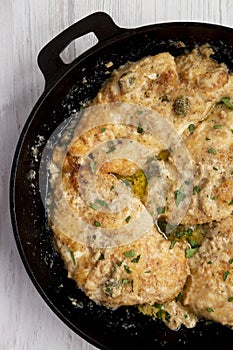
{"x":231,"y":202}
{"x":218,"y":126}
{"x":189,"y":253}
{"x":127,"y":269}
{"x":101,"y":257}
{"x":214,"y":167}
{"x":111,"y":149}
{"x":129,"y":254}
{"x":173,"y":242}
{"x":136,"y":260}
{"x":212,"y":150}
{"x":193,"y":243}
{"x":196,"y":189}
{"x":179,"y":234}
{"x":97,"y":224}
{"x":93,"y":206}
{"x":209,"y":309}
{"x":108,"y":291}
{"x":189,"y":231}
{"x":230,"y":261}
{"x":72,"y":256}
{"x":140,"y":129}
{"x":179,"y":297}
{"x":230,"y":299}
{"x":161,"y":210}
{"x":125,"y":281}
{"x":103,"y":129}
{"x":225,"y":275}
{"x":179,"y":196}
{"x":158,"y":306}
{"x":112,"y":187}
{"x":102,"y":202}
{"x":92,"y":166}
{"x":163,"y":315}
{"x":191,"y":128}
{"x":127,"y":219}
{"x":226,"y":101}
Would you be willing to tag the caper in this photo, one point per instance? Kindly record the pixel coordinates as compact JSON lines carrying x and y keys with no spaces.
{"x":181,"y":105}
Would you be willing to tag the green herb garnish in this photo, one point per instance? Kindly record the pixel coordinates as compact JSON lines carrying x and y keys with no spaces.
{"x":140,"y":129}
{"x":189,"y":253}
{"x":72,"y":256}
{"x":127,"y":269}
{"x":92,"y":166}
{"x":125,"y":281}
{"x":212,"y":150}
{"x":219,"y":126}
{"x":191,"y":128}
{"x":101,"y":257}
{"x":158,"y":306}
{"x":173,"y":242}
{"x":127,"y":219}
{"x":93,"y":206}
{"x":136,"y":260}
{"x":179,"y":297}
{"x":129,"y":254}
{"x":179,"y":196}
{"x":97,"y":224}
{"x":161,"y":210}
{"x":102,"y":202}
{"x":196,"y":189}
{"x":209,"y":309}
{"x":226,"y":101}
{"x":225,"y":275}
{"x":108,"y":291}
{"x":111,"y":149}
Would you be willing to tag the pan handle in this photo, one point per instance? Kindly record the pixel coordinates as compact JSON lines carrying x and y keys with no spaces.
{"x":49,"y":61}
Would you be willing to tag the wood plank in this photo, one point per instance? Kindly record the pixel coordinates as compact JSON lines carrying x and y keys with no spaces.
{"x":26,"y":26}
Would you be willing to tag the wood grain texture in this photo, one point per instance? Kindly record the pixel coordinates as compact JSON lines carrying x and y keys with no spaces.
{"x":26,"y":323}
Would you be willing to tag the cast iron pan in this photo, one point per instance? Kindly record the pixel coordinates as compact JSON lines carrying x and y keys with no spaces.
{"x":64,"y":91}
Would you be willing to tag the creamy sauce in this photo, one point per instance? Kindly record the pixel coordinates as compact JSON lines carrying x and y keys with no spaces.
{"x":188,"y":275}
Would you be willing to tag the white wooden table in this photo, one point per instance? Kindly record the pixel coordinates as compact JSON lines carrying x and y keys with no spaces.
{"x":26,"y":322}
